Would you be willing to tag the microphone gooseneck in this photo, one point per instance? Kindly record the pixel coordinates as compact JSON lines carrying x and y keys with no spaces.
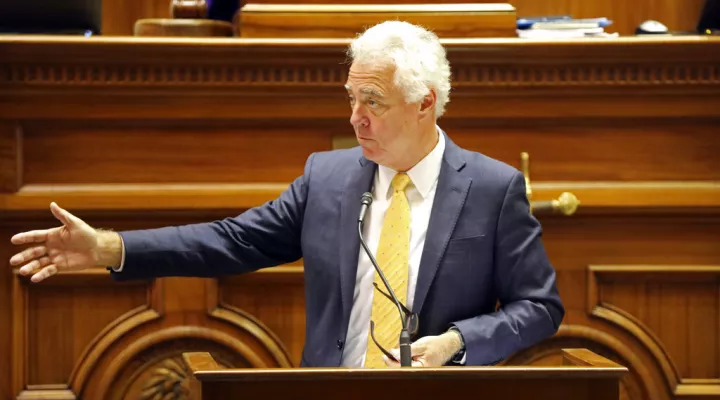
{"x":405,"y":351}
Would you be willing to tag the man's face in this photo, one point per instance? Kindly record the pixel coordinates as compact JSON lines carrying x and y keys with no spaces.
{"x":385,"y":125}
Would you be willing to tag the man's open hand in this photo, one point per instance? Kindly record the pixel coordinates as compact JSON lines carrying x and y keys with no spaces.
{"x":73,"y":246}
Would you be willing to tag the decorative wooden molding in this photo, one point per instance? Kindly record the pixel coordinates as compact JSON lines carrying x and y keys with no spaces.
{"x":655,"y":273}
{"x":294,"y":77}
{"x":645,"y":336}
{"x":104,"y":340}
{"x":277,"y":275}
{"x":596,"y":197}
{"x":45,"y":392}
{"x":600,"y":342}
{"x":87,"y":360}
{"x":160,"y":372}
{"x":90,"y":277}
{"x":701,"y":390}
{"x":635,"y":327}
{"x":166,"y":380}
{"x":171,"y":334}
{"x":224,"y":312}
{"x":187,"y":76}
{"x":481,"y":63}
{"x":174,"y":77}
{"x":18,"y":364}
{"x":123,"y":325}
{"x":586,"y":75}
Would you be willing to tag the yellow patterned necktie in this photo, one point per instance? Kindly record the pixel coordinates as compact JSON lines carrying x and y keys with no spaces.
{"x":392,"y":256}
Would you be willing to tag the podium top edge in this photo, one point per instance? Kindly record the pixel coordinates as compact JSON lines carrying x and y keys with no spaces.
{"x":509,"y":372}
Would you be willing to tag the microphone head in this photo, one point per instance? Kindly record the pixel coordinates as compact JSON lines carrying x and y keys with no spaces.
{"x":366,"y":198}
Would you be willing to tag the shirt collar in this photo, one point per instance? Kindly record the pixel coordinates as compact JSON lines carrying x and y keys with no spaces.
{"x":423,"y":175}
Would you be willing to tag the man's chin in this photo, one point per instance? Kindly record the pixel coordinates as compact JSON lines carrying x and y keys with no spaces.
{"x":369,"y":153}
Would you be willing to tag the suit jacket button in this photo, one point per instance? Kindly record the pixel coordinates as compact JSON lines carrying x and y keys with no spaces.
{"x":340,"y":344}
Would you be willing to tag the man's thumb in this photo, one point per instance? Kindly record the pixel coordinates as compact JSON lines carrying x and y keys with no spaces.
{"x":63,"y":216}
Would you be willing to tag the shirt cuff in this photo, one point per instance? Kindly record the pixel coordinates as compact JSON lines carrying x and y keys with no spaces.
{"x":460,"y":357}
{"x":122,"y":257}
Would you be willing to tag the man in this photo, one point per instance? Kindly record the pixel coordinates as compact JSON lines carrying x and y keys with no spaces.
{"x":451,"y":230}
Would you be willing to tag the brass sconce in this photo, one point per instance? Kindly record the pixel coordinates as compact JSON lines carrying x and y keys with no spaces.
{"x":567,"y":203}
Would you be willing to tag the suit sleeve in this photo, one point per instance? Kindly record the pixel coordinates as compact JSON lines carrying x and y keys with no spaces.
{"x":531,"y":309}
{"x":261,"y":237}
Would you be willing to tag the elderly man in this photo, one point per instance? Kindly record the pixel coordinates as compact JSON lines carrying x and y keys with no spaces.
{"x":450,"y":229}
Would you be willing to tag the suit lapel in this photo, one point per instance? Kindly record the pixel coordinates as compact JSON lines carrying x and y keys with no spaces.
{"x":450,"y":197}
{"x":357,"y":183}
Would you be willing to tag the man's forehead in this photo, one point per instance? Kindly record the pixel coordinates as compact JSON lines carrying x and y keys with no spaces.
{"x":370,"y":79}
{"x":365,"y":89}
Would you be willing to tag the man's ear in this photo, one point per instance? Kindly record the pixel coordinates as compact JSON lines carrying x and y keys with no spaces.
{"x":427,"y":104}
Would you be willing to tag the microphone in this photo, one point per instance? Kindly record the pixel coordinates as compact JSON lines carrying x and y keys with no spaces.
{"x":405,"y":352}
{"x":364,"y":204}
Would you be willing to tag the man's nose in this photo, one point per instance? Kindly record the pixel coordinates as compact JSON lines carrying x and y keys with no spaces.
{"x":357,"y":117}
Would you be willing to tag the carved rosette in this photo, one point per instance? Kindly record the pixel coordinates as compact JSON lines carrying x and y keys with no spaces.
{"x":159,"y":373}
{"x":167,"y":381}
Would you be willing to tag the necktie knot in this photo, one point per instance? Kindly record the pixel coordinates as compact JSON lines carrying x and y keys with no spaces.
{"x":400,"y":182}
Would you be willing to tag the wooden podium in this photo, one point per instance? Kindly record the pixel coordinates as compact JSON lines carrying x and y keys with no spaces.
{"x":582,"y":375}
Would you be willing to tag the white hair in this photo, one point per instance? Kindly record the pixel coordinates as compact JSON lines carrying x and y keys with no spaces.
{"x":419,"y":59}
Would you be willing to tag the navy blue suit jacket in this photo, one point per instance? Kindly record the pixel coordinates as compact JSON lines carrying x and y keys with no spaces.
{"x":482,"y":246}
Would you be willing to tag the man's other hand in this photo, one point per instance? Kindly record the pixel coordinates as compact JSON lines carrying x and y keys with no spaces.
{"x":430,"y":351}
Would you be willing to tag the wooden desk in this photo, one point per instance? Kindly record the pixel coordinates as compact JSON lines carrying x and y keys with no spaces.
{"x":131,"y":133}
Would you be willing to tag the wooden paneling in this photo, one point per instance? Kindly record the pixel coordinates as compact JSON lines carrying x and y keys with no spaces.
{"x":140,"y":134}
{"x":112,"y":339}
{"x":577,"y":242}
{"x":637,"y":151}
{"x":6,"y":278}
{"x":62,"y":321}
{"x":663,"y":298}
{"x":11,"y":147}
{"x":673,"y":310}
{"x":277,"y":299}
{"x":167,"y":154}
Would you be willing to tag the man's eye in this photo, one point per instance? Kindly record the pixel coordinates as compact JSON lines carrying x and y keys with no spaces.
{"x":372,"y":103}
{"x":351,"y":100}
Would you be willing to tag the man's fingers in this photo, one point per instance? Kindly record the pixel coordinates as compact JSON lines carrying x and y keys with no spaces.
{"x":396,"y":353}
{"x":30,"y":237}
{"x":35,"y":265}
{"x":28,"y":254}
{"x":63,"y":216}
{"x":46,"y":272}
{"x":389,"y":362}
{"x":418,"y":348}
{"x":419,"y":363}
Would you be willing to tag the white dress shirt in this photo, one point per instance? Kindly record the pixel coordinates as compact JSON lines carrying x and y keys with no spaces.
{"x":420,"y":194}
